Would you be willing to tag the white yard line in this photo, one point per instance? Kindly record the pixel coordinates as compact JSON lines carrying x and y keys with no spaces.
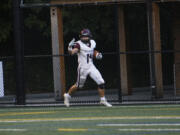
{"x":24,"y":113}
{"x":153,"y":124}
{"x":88,"y":118}
{"x":90,"y":107}
{"x":21,"y":130}
{"x":153,"y":129}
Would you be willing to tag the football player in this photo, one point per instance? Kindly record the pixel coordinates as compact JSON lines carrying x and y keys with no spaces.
{"x":85,"y":50}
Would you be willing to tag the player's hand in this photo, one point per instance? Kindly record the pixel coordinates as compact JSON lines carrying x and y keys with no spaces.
{"x":99,"y":56}
{"x":72,"y":43}
{"x":69,"y":48}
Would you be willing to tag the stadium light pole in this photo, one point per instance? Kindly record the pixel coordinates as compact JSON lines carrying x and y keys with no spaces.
{"x":19,"y":52}
{"x":151,"y":48}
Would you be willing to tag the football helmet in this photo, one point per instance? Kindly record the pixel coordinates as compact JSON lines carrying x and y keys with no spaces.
{"x":85,"y":35}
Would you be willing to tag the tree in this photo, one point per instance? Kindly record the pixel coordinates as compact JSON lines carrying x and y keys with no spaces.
{"x":5,"y":20}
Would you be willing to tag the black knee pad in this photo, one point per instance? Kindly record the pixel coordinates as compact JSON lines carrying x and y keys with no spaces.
{"x":101,"y":86}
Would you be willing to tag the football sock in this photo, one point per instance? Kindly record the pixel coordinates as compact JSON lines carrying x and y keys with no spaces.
{"x":103,"y":98}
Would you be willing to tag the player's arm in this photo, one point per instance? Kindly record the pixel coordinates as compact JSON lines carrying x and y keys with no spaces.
{"x":97,"y":55}
{"x":74,"y":51}
{"x":73,"y":47}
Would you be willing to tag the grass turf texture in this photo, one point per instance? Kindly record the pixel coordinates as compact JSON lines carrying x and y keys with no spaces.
{"x":92,"y":120}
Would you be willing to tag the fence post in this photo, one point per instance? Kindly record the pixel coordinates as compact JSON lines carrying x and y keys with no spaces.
{"x":151,"y":48}
{"x":19,"y":52}
{"x":58,"y":48}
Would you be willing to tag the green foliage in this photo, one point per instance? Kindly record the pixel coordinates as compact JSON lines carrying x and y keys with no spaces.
{"x":39,"y":19}
{"x":5,"y":20}
{"x":33,"y":18}
{"x":75,"y":18}
{"x":100,"y":20}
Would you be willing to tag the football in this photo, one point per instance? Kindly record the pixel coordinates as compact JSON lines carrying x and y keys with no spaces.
{"x":95,"y":53}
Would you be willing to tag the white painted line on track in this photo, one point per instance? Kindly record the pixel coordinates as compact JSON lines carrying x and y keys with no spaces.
{"x":153,"y":124}
{"x":153,"y":129}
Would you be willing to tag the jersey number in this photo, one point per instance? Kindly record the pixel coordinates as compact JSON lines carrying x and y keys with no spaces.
{"x":89,"y":56}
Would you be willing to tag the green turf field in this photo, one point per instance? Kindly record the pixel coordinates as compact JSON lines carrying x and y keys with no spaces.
{"x":92,"y":120}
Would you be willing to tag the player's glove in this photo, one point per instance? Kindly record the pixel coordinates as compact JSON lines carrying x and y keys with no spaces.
{"x":71,"y":44}
{"x":99,"y":56}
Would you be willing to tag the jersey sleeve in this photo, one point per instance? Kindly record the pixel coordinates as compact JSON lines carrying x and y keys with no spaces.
{"x":93,"y":43}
